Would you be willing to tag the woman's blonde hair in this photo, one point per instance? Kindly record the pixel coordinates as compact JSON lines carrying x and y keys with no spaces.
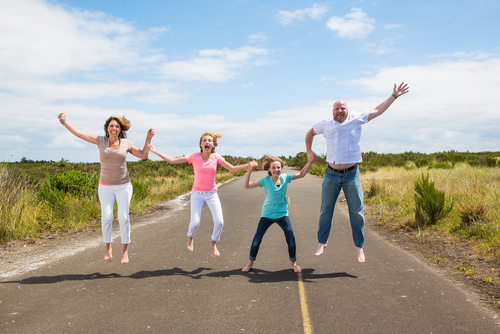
{"x":214,"y":138}
{"x":124,"y":125}
{"x":268,"y":160}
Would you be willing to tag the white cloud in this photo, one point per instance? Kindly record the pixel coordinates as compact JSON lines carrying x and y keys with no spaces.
{"x":393,"y":26}
{"x":461,"y":55}
{"x":382,"y":48}
{"x":316,"y":12}
{"x":259,"y":37}
{"x":218,"y":65}
{"x":66,"y":41}
{"x":52,"y":52}
{"x":356,"y":24}
{"x":148,"y":92}
{"x":451,"y":105}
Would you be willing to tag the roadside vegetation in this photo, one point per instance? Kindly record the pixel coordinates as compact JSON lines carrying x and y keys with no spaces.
{"x":45,"y":196}
{"x":452,"y":193}
{"x":445,"y":206}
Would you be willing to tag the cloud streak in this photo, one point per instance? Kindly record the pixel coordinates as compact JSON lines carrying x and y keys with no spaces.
{"x":67,"y":41}
{"x":316,"y":12}
{"x":355,"y":25}
{"x":214,"y":65}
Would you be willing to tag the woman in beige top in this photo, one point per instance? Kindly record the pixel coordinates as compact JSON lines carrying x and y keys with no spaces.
{"x":114,"y":181}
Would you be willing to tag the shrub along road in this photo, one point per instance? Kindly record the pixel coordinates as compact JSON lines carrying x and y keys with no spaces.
{"x":165,"y":288}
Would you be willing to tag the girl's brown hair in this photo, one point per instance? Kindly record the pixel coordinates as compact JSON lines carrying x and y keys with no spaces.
{"x":124,"y":125}
{"x":268,"y":160}
{"x":214,"y":138}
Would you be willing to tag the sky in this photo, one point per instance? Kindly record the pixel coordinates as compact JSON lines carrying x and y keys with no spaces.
{"x":260,"y":72}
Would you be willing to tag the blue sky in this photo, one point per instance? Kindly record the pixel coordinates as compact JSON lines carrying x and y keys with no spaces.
{"x":260,"y":72}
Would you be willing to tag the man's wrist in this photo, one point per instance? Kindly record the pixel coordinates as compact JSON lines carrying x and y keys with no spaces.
{"x":394,"y":96}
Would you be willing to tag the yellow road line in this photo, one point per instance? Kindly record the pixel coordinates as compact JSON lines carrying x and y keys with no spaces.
{"x":303,"y":304}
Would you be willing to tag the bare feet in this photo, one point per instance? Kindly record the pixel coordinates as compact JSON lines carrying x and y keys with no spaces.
{"x":361,"y":255}
{"x":320,"y":249}
{"x":190,"y":244}
{"x":214,"y":248}
{"x":109,"y":254}
{"x":296,"y":268}
{"x":248,"y":266}
{"x":125,"y":254}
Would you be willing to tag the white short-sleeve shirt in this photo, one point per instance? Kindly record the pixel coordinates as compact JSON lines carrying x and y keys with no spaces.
{"x":342,"y":139}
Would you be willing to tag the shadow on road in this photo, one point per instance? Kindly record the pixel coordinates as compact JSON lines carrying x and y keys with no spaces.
{"x":254,"y":276}
{"x":265,"y":276}
{"x":138,"y":275}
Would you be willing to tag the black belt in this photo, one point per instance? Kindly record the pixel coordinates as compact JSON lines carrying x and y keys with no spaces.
{"x":342,"y":171}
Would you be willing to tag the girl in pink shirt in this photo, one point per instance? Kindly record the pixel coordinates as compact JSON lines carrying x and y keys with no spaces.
{"x":204,"y":189}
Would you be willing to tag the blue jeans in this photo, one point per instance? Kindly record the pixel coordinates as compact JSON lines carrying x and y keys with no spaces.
{"x":332,"y":183}
{"x":264,"y":224}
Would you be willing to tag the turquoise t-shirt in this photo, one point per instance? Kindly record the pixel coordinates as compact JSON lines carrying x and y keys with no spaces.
{"x":275,"y":205}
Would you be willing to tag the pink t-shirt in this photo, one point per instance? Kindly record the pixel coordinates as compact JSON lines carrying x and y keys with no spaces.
{"x":204,"y":171}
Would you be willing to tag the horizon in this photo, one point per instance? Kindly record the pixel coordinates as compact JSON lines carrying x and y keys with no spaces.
{"x":27,"y":160}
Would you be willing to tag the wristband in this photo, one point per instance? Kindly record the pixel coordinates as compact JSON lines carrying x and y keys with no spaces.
{"x":394,"y":96}
{"x":62,"y":120}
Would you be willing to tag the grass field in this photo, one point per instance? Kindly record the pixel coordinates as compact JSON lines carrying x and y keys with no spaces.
{"x":46,"y":196}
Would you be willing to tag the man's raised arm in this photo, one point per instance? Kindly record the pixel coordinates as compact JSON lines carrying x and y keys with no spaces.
{"x":396,"y":92}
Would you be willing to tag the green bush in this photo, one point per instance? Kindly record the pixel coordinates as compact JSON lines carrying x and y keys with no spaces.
{"x":471,"y":214}
{"x":375,"y":189}
{"x":430,"y":203}
{"x":73,"y":182}
{"x":317,"y":170}
{"x":440,"y":165}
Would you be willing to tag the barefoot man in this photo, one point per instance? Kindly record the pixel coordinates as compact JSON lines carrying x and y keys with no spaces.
{"x":342,"y":134}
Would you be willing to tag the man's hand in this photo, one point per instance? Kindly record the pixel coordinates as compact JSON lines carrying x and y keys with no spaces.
{"x":402,"y":89}
{"x":311,"y":156}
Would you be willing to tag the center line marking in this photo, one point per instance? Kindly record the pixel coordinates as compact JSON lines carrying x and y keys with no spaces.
{"x":303,"y":304}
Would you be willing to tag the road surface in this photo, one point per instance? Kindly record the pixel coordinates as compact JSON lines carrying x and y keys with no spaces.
{"x":166,"y":289}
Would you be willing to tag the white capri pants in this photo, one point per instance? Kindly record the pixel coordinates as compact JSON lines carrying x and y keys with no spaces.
{"x":107,"y":196}
{"x":213,"y":202}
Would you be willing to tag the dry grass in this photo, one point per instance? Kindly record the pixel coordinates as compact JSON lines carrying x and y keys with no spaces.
{"x":23,"y":215}
{"x":18,"y":205}
{"x":466,"y":185}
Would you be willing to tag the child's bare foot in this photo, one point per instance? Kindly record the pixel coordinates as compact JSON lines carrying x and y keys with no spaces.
{"x":109,"y":254}
{"x":214,"y":248}
{"x":320,"y":249}
{"x":190,"y":244}
{"x":248,"y":266}
{"x":360,"y":254}
{"x":296,"y":268}
{"x":125,"y":254}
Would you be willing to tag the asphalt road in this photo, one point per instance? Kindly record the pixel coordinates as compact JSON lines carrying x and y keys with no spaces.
{"x":166,"y":289}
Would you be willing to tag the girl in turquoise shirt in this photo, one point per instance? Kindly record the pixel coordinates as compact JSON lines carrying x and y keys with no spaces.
{"x":275,"y":208}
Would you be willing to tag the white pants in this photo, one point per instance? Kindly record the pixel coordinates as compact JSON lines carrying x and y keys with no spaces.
{"x":107,"y":196}
{"x":213,"y":202}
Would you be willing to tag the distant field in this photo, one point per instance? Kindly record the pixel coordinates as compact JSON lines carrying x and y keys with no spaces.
{"x":38,"y":196}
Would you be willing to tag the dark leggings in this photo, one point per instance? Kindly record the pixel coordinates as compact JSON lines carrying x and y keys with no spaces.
{"x":264,"y":224}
